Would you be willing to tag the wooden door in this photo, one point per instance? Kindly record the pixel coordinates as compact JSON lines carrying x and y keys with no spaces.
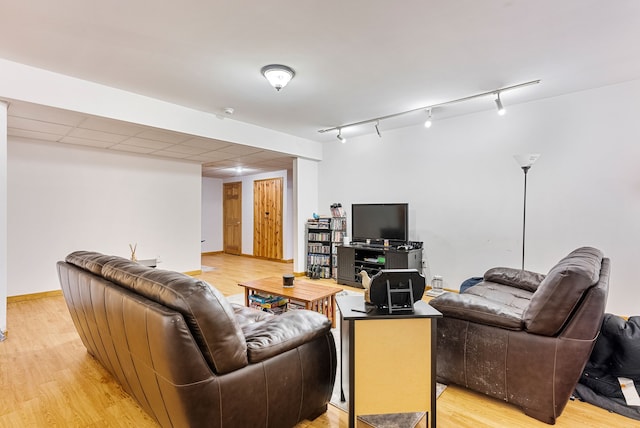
{"x":267,"y":218}
{"x":232,"y":217}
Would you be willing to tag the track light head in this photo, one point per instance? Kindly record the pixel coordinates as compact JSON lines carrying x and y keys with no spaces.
{"x":427,"y":123}
{"x":501,"y":110}
{"x":378,"y":130}
{"x":340,"y":137}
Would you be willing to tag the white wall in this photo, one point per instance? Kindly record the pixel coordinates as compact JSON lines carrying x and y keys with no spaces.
{"x":212,"y":226}
{"x":465,"y":190}
{"x":62,"y":198}
{"x":3,"y":217}
{"x":306,"y":187}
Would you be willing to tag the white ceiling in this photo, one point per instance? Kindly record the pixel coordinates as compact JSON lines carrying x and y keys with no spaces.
{"x":219,"y":159}
{"x":354,"y":60}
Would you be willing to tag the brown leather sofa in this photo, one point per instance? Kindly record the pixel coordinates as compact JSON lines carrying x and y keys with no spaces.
{"x":188,"y":356}
{"x":524,"y":337}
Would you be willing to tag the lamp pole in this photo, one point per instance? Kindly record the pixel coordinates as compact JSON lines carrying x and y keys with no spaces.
{"x":525,"y":162}
{"x":525,"y":169}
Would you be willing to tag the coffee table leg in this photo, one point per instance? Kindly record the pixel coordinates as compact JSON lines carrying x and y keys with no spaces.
{"x":332,"y":308}
{"x":246,"y":296}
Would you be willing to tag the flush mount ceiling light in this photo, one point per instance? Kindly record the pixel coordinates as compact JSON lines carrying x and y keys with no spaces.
{"x":495,"y":92}
{"x":278,"y":75}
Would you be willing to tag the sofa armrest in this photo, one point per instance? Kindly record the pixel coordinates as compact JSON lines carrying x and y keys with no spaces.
{"x":523,"y":279}
{"x":477,"y":309}
{"x":281,"y":333}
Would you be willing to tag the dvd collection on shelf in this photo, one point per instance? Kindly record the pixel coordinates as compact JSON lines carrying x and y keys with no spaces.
{"x":324,"y":234}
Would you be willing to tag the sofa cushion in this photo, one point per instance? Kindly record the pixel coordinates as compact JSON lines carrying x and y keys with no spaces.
{"x":519,"y":278}
{"x":561,"y":291}
{"x":90,"y":260}
{"x":246,"y":316}
{"x":277,"y":335}
{"x":209,"y":315}
{"x":479,"y":309}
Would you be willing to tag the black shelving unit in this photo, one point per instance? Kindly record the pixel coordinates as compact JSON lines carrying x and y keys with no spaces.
{"x":354,"y":258}
{"x":338,"y":232}
{"x":319,"y":248}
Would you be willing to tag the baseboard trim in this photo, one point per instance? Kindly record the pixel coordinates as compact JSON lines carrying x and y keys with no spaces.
{"x":211,"y":253}
{"x":267,"y":258}
{"x":193,"y":272}
{"x":33,"y":296}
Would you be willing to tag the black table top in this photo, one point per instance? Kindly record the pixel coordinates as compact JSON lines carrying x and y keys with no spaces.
{"x":354,"y":308}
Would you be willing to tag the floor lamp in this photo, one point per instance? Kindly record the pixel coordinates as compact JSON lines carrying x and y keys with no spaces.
{"x":525,"y":162}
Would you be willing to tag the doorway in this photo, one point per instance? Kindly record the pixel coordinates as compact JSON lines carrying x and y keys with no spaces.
{"x":232,"y":217}
{"x":267,"y":218}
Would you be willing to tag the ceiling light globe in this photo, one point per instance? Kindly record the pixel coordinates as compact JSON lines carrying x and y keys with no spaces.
{"x":278,"y":75}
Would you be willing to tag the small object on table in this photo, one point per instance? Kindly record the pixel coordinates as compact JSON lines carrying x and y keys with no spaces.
{"x":287,"y":281}
{"x":366,"y":283}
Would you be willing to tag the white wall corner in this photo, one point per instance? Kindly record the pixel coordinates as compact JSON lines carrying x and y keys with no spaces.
{"x":305,"y":179}
{"x":3,"y":218}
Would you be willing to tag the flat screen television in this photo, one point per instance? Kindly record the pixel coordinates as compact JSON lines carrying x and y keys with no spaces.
{"x":378,"y":222}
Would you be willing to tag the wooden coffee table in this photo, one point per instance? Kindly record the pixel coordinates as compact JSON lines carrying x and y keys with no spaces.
{"x":316,"y":297}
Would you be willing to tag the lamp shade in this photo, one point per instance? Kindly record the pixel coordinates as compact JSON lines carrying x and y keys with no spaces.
{"x":278,"y":75}
{"x":526,"y":160}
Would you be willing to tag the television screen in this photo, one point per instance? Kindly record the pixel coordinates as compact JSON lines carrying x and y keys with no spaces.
{"x":379,"y":222}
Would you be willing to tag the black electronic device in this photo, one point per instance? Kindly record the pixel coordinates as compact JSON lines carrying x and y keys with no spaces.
{"x":396,"y":290}
{"x":380,"y":222}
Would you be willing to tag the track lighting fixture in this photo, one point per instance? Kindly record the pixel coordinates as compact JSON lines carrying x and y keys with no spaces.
{"x":278,"y":75}
{"x":501,"y":110}
{"x":427,"y":124}
{"x":340,"y":137}
{"x":378,"y":130}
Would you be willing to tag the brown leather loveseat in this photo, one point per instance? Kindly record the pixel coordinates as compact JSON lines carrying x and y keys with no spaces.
{"x":188,"y":356}
{"x":524,"y":337}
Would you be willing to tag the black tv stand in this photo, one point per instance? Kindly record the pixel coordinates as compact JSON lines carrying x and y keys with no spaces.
{"x":372,"y":258}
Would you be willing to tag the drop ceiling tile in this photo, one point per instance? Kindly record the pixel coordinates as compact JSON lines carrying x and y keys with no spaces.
{"x":97,"y":135}
{"x":85,"y":142}
{"x":12,"y":132}
{"x":283,"y":164}
{"x":212,"y":156}
{"x":266,"y":154}
{"x":37,"y":125}
{"x":44,"y":114}
{"x":179,"y":148}
{"x":133,"y":149}
{"x":227,"y":164}
{"x":149,"y":144}
{"x":165,"y":136}
{"x":240,"y":150}
{"x":209,"y":144}
{"x":175,"y":155}
{"x":111,"y":126}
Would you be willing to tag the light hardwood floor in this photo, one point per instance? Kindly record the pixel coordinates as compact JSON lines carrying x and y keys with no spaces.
{"x":48,"y":379}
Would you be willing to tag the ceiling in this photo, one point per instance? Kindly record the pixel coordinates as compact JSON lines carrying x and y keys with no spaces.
{"x":354,"y":61}
{"x":219,"y":159}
